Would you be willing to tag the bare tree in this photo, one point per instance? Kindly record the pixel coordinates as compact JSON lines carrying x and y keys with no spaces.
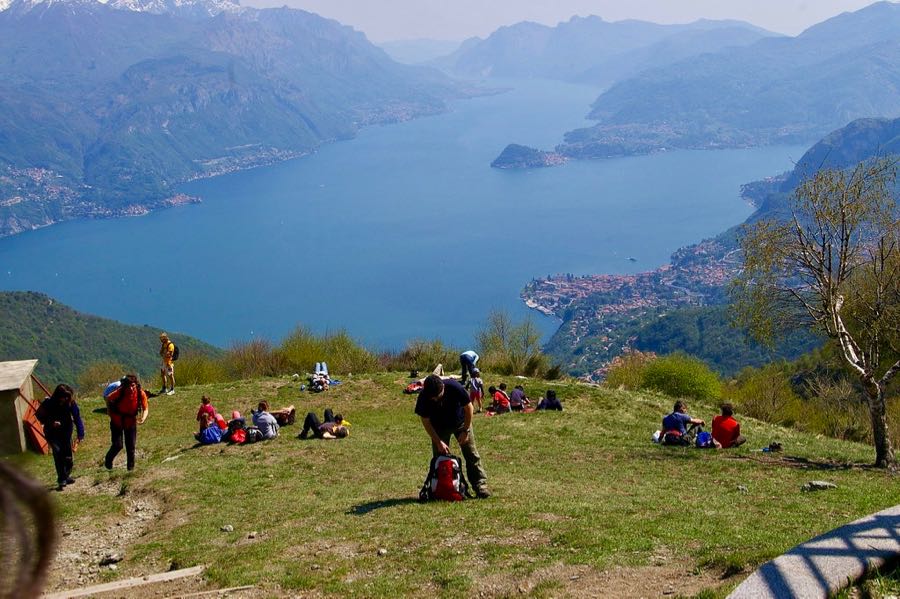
{"x":833,"y":266}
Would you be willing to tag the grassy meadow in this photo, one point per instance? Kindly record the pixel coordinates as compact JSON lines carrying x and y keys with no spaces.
{"x":584,"y":504}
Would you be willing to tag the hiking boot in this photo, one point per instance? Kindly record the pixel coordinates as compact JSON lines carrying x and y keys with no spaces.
{"x":70,"y":481}
{"x":161,"y":391}
{"x":482,"y":493}
{"x":170,"y":392}
{"x":60,"y":486}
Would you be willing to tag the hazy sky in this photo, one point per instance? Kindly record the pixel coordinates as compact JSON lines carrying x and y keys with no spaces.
{"x":384,"y":20}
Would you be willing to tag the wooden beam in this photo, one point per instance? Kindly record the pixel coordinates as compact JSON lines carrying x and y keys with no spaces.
{"x":128,"y":583}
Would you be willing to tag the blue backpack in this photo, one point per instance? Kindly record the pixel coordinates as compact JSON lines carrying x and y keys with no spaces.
{"x":210,"y":435}
{"x":704,"y":440}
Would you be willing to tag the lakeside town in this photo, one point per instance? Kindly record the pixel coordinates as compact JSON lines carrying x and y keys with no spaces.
{"x":596,"y":308}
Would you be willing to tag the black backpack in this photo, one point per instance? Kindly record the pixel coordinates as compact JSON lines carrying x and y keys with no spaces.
{"x":175,"y":352}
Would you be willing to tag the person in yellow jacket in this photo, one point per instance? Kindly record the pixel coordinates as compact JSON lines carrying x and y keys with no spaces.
{"x":167,"y":370}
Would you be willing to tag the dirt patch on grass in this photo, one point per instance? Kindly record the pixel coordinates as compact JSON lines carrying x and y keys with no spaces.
{"x":90,"y":549}
{"x":561,"y":580}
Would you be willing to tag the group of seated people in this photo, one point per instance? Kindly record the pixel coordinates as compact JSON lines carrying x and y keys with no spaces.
{"x":678,"y":428}
{"x":265,"y":424}
{"x":518,"y":401}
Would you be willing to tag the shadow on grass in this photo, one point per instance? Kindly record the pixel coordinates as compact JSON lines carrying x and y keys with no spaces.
{"x":365,"y":508}
{"x":808,"y":464}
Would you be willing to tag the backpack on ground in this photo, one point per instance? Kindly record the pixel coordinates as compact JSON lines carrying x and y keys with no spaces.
{"x":253,"y":434}
{"x":704,"y":440}
{"x":238,"y":436}
{"x":675,"y":438}
{"x":445,"y":480}
{"x":175,"y":352}
{"x":210,"y":435}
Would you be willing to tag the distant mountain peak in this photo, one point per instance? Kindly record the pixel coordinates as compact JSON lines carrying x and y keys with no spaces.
{"x":192,"y":8}
{"x":186,"y":8}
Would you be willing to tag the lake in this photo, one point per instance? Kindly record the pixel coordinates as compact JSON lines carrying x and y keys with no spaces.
{"x":403,"y":233}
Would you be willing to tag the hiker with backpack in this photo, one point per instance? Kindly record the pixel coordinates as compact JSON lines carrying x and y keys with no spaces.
{"x":476,"y":390}
{"x":333,"y":426}
{"x":59,"y":414}
{"x":168,"y":353}
{"x":127,"y":407}
{"x":446,"y":410}
{"x":675,"y":426}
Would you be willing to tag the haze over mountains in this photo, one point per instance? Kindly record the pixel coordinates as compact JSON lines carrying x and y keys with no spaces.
{"x":591,"y":50}
{"x":105,"y":107}
{"x":777,"y":90}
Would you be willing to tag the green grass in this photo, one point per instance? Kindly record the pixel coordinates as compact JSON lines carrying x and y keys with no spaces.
{"x":583,"y":488}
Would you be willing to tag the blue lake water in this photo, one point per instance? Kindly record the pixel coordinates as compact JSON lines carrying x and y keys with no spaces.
{"x":402,"y":233}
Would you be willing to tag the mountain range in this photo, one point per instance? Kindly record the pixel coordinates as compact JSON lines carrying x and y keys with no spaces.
{"x":776,"y":90}
{"x":591,"y":50}
{"x":105,"y":108}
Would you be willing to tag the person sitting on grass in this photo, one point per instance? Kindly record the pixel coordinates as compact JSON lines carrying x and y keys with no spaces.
{"x":725,"y":429}
{"x":500,"y":404}
{"x":675,"y":425}
{"x":264,"y":421}
{"x":550,"y":402}
{"x":209,"y":432}
{"x":518,"y":401}
{"x":206,"y":408}
{"x":333,"y":426}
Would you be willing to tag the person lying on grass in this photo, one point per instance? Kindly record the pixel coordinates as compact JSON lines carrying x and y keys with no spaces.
{"x":333,"y":426}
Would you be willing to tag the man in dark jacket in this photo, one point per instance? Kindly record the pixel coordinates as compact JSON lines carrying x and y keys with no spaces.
{"x":445,"y":410}
{"x":59,"y":414}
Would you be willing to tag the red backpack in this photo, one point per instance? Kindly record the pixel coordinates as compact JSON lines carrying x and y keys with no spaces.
{"x":445,"y":480}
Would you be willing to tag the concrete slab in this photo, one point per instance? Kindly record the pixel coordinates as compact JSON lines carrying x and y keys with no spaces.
{"x":828,"y":562}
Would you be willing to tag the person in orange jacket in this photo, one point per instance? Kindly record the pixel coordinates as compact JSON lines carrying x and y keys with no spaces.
{"x":127,"y":407}
{"x":167,"y":369}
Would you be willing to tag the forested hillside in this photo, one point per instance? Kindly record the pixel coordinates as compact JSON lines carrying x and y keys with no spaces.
{"x":65,"y":341}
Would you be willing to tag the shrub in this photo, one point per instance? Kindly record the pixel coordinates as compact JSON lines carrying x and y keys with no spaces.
{"x":767,"y":394}
{"x":679,"y":375}
{"x":199,"y":369}
{"x":251,"y":359}
{"x":422,"y":355}
{"x":300,"y":351}
{"x":96,"y":376}
{"x":627,"y":370}
{"x":509,"y":348}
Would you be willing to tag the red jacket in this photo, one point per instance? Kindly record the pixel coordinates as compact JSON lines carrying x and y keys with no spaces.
{"x":123,"y":406}
{"x":725,"y":430}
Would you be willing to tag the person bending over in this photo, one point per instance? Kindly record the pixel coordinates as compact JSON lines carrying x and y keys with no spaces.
{"x":446,"y":411}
